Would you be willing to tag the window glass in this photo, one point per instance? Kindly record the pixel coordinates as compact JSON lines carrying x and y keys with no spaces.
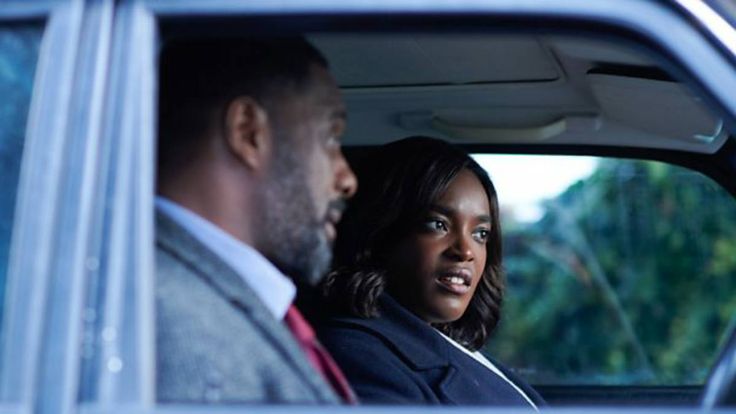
{"x":19,"y":45}
{"x":619,"y":272}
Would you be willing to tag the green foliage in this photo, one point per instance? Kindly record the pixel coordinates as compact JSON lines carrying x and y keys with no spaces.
{"x":628,"y":278}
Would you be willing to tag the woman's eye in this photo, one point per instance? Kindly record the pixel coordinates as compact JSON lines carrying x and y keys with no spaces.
{"x":482,"y":235}
{"x":435,"y":225}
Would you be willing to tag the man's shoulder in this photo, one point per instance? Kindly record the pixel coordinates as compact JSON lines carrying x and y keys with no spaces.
{"x":171,"y":237}
{"x":209,"y":349}
{"x":206,"y":352}
{"x":186,"y":265}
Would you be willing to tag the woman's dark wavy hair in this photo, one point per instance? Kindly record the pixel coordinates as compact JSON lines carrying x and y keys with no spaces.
{"x":398,"y":183}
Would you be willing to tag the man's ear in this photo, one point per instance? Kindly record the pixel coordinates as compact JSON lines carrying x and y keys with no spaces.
{"x":248,"y":132}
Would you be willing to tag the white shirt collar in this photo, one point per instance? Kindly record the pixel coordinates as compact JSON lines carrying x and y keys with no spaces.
{"x":272,"y":287}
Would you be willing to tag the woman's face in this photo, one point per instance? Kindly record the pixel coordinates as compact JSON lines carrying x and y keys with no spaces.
{"x":436,"y":269}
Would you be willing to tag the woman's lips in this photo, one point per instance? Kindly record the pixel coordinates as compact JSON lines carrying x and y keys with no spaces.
{"x":456,"y":282}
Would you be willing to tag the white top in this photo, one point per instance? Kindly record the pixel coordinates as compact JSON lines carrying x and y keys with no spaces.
{"x":488,"y":364}
{"x":272,"y":287}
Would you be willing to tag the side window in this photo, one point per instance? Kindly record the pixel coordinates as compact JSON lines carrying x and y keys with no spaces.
{"x":619,"y":271}
{"x":19,"y":46}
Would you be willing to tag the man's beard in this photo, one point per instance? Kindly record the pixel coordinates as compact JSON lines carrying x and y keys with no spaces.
{"x":292,"y":233}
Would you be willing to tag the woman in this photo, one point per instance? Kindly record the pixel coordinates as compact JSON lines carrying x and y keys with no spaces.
{"x":418,"y":283}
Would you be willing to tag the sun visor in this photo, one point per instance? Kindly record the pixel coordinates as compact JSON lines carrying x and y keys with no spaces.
{"x":359,"y":61}
{"x":663,"y":108}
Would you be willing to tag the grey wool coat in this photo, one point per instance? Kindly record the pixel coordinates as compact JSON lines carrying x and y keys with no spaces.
{"x":215,"y":340}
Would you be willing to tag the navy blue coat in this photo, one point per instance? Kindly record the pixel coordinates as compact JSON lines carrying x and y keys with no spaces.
{"x":399,"y":359}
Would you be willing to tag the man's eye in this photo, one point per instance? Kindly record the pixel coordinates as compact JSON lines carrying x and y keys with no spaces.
{"x":335,"y":134}
{"x":333,"y":140}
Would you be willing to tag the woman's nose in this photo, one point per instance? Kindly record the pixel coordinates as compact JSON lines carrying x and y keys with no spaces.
{"x":461,"y":250}
{"x":346,"y":182}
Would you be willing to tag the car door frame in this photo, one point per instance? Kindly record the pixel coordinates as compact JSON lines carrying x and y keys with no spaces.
{"x":83,"y":237}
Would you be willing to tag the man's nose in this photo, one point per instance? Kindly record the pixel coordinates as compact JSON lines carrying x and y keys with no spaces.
{"x":346,"y":182}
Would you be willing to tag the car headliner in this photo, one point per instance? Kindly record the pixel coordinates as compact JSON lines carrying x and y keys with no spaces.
{"x":490,"y":89}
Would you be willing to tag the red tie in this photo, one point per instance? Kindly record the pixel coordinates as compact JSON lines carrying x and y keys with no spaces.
{"x":318,"y":355}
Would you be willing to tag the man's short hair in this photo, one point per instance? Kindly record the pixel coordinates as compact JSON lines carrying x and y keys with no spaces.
{"x":197,"y":78}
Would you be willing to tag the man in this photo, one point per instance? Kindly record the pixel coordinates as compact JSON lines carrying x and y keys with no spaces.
{"x":251,"y":184}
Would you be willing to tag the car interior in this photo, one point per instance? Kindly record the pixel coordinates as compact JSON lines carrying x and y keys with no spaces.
{"x":605,"y":126}
{"x":533,"y":94}
{"x":551,"y":94}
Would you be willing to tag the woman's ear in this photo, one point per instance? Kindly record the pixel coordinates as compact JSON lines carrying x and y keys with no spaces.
{"x":248,"y":132}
